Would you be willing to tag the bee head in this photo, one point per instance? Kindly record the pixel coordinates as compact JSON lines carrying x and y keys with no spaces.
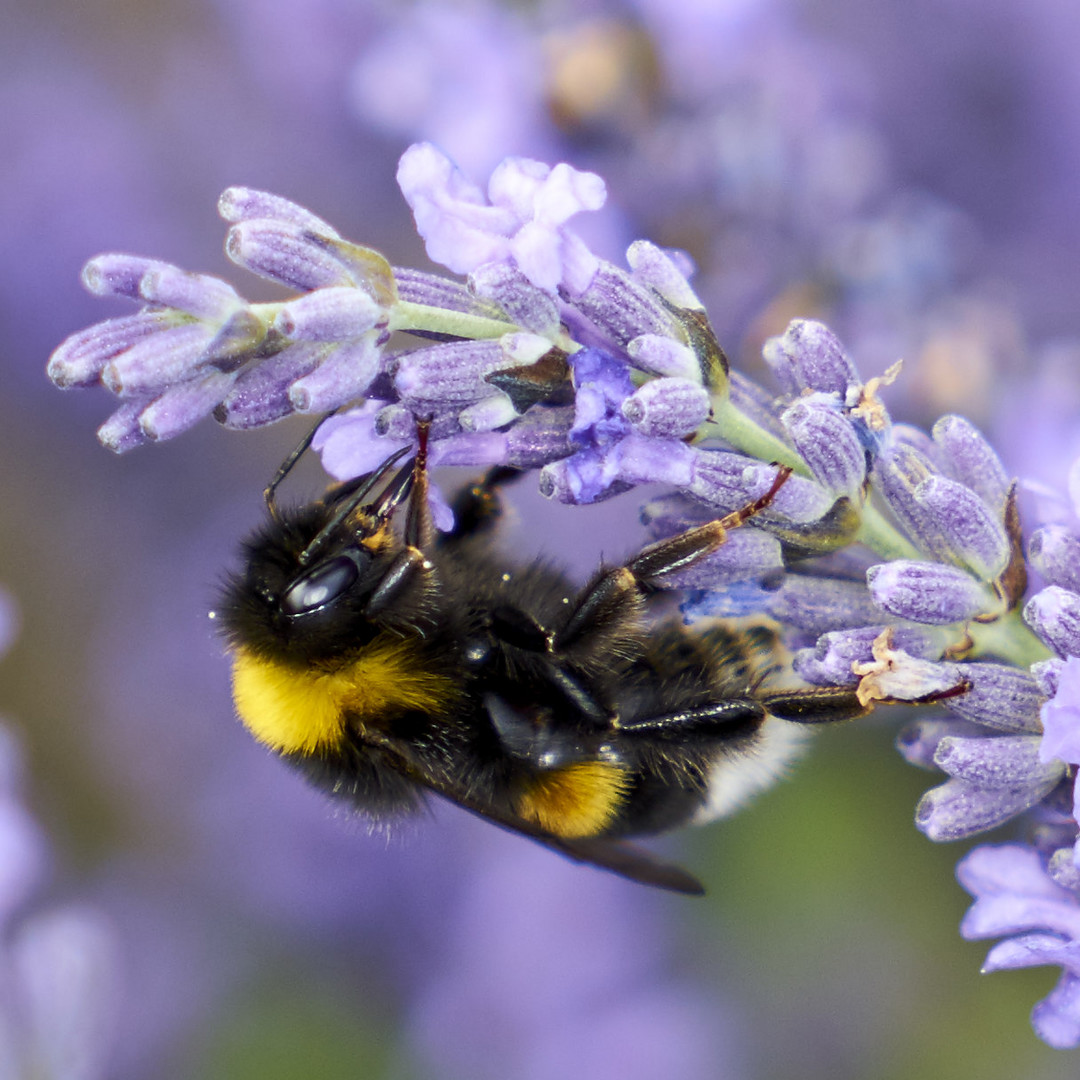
{"x":287,"y":604}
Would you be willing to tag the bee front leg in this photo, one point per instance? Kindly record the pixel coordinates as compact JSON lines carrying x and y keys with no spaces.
{"x":615,"y":593}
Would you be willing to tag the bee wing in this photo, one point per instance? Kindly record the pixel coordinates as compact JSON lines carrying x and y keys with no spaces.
{"x":616,"y":856}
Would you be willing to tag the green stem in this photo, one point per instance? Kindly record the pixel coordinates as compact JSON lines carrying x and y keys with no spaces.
{"x":740,"y":431}
{"x":744,"y":434}
{"x":459,"y":324}
{"x":1010,"y":638}
{"x":883,"y":538}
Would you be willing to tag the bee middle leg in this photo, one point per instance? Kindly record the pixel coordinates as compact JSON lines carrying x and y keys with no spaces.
{"x":620,"y":589}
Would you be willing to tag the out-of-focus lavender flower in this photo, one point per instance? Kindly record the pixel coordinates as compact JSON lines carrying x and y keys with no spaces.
{"x":502,"y":1001}
{"x":57,"y":963}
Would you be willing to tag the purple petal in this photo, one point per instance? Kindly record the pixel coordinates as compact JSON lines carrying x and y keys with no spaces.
{"x":993,"y":869}
{"x":1056,"y":1019}
{"x":459,"y":229}
{"x":1061,"y":716}
{"x":348,"y":445}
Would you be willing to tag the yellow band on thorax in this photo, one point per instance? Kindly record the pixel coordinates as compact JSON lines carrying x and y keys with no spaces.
{"x":303,"y":709}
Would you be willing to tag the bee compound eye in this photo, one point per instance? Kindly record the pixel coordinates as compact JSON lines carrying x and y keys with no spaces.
{"x":320,"y":586}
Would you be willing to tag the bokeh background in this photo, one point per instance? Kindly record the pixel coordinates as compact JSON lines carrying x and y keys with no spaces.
{"x":904,"y":169}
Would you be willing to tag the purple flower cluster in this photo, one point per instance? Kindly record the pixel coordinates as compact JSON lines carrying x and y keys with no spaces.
{"x":893,"y":558}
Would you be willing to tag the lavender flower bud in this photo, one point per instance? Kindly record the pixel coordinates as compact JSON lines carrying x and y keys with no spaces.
{"x":418,"y":287}
{"x":284,"y":253}
{"x":658,"y":355}
{"x":330,"y":314}
{"x":656,"y":268}
{"x":399,"y":422}
{"x":1054,"y":614}
{"x":829,"y":446}
{"x":449,"y":374}
{"x":121,"y":432}
{"x":974,"y":535}
{"x":540,"y":436}
{"x":926,"y":592}
{"x":831,"y":661}
{"x":667,"y":408}
{"x":260,"y":394}
{"x":817,"y":605}
{"x":809,"y":356}
{"x":623,"y":308}
{"x":729,"y":481}
{"x":487,"y":415}
{"x":79,"y":360}
{"x":898,"y":471}
{"x":345,"y":374}
{"x":1003,"y":761}
{"x":199,"y":295}
{"x":529,"y":307}
{"x":999,"y":696}
{"x":116,"y":274}
{"x":745,"y":553}
{"x":243,"y":204}
{"x":1055,"y":552}
{"x":958,"y":809}
{"x":158,"y":360}
{"x":184,"y":405}
{"x":971,"y":460}
{"x":1047,"y":674}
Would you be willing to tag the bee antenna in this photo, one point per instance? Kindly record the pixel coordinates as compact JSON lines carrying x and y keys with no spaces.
{"x":286,"y":467}
{"x":355,"y":499}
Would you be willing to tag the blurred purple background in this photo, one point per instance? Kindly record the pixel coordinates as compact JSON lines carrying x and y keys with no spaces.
{"x":904,"y":170}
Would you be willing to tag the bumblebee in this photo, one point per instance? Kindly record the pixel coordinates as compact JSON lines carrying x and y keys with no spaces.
{"x":386,"y":661}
